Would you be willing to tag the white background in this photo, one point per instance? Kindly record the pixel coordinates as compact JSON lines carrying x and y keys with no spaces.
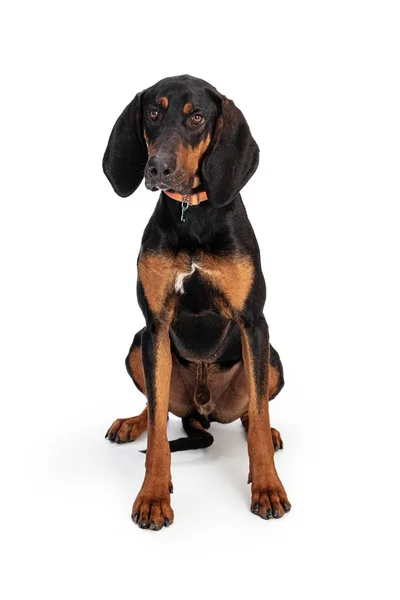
{"x":319,"y":85}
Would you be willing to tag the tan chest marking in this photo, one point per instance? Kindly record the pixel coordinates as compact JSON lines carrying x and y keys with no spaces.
{"x":158,"y":273}
{"x":163,"y":274}
{"x":180,"y":278}
{"x":233,"y":276}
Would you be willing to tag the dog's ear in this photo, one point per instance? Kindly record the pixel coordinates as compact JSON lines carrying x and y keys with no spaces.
{"x":126,"y":154}
{"x":232,"y":157}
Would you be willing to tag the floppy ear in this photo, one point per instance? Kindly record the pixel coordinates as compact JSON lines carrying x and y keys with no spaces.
{"x":126,"y":154}
{"x":232,"y":157}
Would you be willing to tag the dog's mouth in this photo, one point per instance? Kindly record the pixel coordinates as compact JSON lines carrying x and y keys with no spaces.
{"x":176,"y":183}
{"x":161,"y":187}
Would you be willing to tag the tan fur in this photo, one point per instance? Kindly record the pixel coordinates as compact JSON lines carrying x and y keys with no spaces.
{"x":153,"y":501}
{"x":128,"y":429}
{"x":267,"y":491}
{"x":233,"y":276}
{"x":188,"y":157}
{"x":151,"y":148}
{"x":249,"y":370}
{"x":196,"y":182}
{"x":163,"y":368}
{"x":275,"y":435}
{"x":157,"y":273}
{"x":136,"y":366}
{"x":273,"y":381}
{"x":164,"y":102}
{"x":261,"y":450}
{"x":188,"y":108}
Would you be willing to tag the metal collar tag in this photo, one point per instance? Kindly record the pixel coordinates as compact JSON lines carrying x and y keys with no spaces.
{"x":185,"y":206}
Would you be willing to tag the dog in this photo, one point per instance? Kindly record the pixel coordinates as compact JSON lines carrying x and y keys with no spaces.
{"x":204,"y":354}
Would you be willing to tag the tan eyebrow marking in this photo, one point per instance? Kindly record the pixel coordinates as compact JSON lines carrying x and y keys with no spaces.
{"x":163,"y":102}
{"x":188,"y":108}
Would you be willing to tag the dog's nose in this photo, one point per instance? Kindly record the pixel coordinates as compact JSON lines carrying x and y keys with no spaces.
{"x":160,"y":166}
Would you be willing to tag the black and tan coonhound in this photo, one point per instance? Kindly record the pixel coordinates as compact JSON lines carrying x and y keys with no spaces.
{"x":204,"y":354}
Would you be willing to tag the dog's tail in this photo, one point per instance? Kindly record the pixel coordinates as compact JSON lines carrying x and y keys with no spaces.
{"x":198,"y":437}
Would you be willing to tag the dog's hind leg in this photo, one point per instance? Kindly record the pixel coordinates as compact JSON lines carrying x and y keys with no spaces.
{"x":276,"y":380}
{"x":133,"y":362}
{"x":128,"y":430}
{"x":276,"y":436}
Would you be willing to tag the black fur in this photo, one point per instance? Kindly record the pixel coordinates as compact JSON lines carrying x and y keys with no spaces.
{"x":230,"y":161}
{"x":198,"y":437}
{"x":126,"y":154}
{"x":232,"y":158}
{"x":219,"y":227}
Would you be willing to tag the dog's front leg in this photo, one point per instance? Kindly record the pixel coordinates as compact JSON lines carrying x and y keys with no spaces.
{"x":152,"y":506}
{"x":268,"y":496}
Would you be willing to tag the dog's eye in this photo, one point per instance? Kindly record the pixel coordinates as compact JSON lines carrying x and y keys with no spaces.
{"x":197,"y":118}
{"x":154,"y":114}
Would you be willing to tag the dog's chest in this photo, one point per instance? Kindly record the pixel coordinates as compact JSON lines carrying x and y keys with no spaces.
{"x":163,"y":275}
{"x":181,"y":277}
{"x":230,"y":276}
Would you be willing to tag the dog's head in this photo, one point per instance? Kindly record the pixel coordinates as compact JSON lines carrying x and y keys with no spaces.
{"x":182,"y":136}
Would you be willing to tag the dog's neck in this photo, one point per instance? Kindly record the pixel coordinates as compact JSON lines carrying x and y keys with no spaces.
{"x":187,"y":200}
{"x":191,"y":199}
{"x":205,"y":225}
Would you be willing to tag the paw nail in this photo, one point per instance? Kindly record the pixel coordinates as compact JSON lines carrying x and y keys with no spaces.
{"x":135,"y":518}
{"x":276,"y":513}
{"x":286,"y":507}
{"x":269,"y":513}
{"x":171,"y":489}
{"x":256,"y":509}
{"x":152,"y":525}
{"x":117,"y":439}
{"x":249,"y":479}
{"x":143,"y":524}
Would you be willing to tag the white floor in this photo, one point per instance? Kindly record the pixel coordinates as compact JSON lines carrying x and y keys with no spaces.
{"x":73,"y":492}
{"x":318,"y":83}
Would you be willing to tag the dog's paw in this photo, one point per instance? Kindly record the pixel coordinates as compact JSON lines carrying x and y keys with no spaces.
{"x":276,"y":439}
{"x":126,"y":430}
{"x":269,"y":501}
{"x":152,"y":511}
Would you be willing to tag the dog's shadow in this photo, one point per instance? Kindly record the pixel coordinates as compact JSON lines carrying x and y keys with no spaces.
{"x":123,"y":464}
{"x":228,"y":454}
{"x":229,"y":440}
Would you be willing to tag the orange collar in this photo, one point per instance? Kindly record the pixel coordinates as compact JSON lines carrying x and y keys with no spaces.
{"x":191,"y":199}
